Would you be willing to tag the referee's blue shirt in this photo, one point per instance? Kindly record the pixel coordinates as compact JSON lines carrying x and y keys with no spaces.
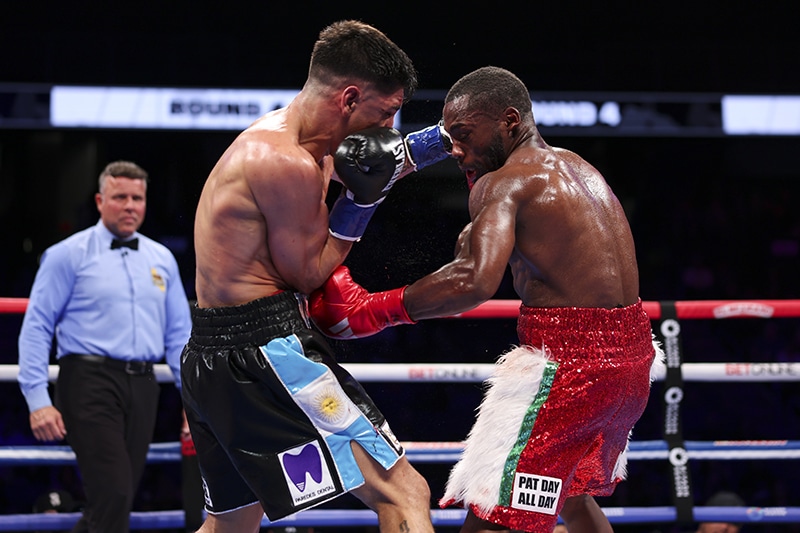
{"x":125,"y":304}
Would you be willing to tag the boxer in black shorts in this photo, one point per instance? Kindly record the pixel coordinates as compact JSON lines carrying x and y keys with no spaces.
{"x":274,"y":419}
{"x":261,"y":361}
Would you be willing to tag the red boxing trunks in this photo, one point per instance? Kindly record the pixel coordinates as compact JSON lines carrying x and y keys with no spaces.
{"x":272,"y":414}
{"x":556,"y":418}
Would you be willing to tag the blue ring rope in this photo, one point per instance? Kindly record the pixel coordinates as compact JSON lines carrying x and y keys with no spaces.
{"x":440,"y":517}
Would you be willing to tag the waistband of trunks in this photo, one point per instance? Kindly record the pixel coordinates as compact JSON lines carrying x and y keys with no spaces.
{"x":252,"y":323}
{"x":621,"y":326}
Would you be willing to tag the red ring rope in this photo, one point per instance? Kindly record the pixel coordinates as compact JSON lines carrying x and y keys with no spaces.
{"x":689,"y":309}
{"x":13,"y":305}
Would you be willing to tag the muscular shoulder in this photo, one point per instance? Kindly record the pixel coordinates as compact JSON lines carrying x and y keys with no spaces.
{"x":263,"y":163}
{"x":267,"y":144}
{"x":263,"y":153}
{"x":523,"y":177}
{"x":538,"y":180}
{"x":550,"y":174}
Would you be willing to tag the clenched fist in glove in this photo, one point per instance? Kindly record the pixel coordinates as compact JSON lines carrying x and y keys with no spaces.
{"x":343,"y":309}
{"x":369,"y":162}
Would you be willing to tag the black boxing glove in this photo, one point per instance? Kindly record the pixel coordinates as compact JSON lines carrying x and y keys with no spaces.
{"x":369,"y":162}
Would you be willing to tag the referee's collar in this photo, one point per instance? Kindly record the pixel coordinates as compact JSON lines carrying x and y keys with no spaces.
{"x":107,"y":237}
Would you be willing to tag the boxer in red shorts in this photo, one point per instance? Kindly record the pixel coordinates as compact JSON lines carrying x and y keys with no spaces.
{"x":554,"y":424}
{"x":571,"y":405}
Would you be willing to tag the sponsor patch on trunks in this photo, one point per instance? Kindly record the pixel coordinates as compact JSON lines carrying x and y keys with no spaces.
{"x":306,"y":473}
{"x":536,"y":493}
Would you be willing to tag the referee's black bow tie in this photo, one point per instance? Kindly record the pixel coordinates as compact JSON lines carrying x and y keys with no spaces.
{"x":133,"y":244}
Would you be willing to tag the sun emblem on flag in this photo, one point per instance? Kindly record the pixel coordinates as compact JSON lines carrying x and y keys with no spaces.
{"x":330,"y":405}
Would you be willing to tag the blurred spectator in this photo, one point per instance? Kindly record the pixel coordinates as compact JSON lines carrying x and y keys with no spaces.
{"x":722,"y":499}
{"x":56,"y":501}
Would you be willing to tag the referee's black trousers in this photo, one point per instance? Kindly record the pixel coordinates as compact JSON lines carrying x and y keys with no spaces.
{"x":110,"y":417}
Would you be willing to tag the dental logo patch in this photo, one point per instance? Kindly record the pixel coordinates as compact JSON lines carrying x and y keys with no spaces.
{"x":536,"y":493}
{"x":306,"y":473}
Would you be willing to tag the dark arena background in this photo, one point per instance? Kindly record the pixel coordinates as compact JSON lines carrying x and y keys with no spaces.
{"x":690,"y":110}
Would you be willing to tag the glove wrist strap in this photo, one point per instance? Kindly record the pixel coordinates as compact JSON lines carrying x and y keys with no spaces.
{"x":395,"y":308}
{"x":348,"y":220}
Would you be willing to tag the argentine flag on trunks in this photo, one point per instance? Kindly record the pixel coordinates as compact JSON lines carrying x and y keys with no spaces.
{"x":339,"y":421}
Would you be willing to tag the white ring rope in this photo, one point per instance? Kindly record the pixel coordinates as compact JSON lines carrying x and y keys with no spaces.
{"x":439,"y":517}
{"x":478,"y":372}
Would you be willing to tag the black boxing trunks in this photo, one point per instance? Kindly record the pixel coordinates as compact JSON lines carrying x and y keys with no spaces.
{"x":272,"y":414}
{"x":556,"y":418}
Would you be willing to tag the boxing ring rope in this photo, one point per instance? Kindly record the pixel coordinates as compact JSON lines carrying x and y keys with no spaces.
{"x":443,"y":452}
{"x":448,"y":452}
{"x":439,"y":517}
{"x":687,"y":309}
{"x":478,"y":372}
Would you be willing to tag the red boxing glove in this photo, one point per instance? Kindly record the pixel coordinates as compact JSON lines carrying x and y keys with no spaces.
{"x":343,"y":309}
{"x":187,"y":444}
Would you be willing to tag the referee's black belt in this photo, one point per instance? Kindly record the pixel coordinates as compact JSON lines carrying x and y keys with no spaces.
{"x":136,"y":368}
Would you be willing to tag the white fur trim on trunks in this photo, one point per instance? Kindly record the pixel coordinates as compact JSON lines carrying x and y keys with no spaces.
{"x":657,"y":369}
{"x":514,"y":383}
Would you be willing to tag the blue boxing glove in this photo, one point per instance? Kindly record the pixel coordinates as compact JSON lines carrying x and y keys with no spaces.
{"x":428,"y":146}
